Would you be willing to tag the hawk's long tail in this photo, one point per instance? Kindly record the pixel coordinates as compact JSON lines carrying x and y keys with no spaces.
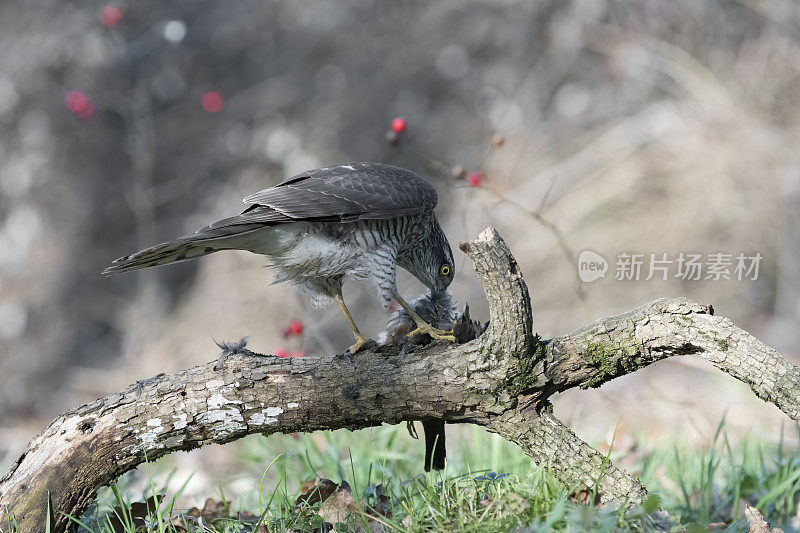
{"x":206,"y":241}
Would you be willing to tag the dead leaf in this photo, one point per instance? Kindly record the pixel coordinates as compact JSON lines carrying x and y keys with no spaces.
{"x":584,"y":497}
{"x":339,"y":505}
{"x":212,"y":511}
{"x":756,"y":520}
{"x":316,"y":491}
{"x":247,"y":516}
{"x":139,"y":512}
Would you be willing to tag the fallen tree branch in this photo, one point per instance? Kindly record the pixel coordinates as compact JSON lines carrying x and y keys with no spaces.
{"x":502,"y":381}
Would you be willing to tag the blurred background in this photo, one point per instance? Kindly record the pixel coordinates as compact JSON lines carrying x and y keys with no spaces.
{"x":619,"y":127}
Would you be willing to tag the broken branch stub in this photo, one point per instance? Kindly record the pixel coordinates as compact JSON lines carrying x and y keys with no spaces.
{"x":510,"y":315}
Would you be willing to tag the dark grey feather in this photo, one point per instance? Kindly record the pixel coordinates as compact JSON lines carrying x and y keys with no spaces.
{"x":230,"y":348}
{"x":349,"y":192}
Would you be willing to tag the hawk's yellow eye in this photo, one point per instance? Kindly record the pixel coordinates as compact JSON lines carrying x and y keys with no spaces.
{"x":445,"y":270}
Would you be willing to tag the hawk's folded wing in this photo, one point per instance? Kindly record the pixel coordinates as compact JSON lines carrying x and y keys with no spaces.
{"x":349,"y":192}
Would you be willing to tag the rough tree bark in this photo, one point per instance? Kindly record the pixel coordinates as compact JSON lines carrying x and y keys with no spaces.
{"x":502,"y":381}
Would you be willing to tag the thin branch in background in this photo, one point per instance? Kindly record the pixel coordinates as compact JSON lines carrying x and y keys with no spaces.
{"x":551,"y":227}
{"x":555,"y":231}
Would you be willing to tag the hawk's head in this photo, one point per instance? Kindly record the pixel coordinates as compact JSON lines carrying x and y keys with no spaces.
{"x":431,"y":260}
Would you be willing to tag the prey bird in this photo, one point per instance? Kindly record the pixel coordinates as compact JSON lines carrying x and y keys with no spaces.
{"x":441,"y":311}
{"x":356,"y":221}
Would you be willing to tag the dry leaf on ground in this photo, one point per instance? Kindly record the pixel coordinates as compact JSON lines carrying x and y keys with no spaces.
{"x":139,"y":512}
{"x":756,"y":520}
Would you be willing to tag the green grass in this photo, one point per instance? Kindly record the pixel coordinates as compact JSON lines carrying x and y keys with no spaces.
{"x":697,"y":487}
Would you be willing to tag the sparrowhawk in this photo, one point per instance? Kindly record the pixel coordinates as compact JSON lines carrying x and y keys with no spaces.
{"x":318,"y":228}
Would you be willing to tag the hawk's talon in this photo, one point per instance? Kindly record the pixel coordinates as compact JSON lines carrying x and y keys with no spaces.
{"x":361,"y":343}
{"x":435,"y":333}
{"x":424,"y":327}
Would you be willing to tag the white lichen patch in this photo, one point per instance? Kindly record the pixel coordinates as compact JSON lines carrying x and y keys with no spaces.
{"x":215,"y":401}
{"x":225,"y":416}
{"x":266,"y":416}
{"x":223,"y":422}
{"x":260,"y":419}
{"x":214,"y":383}
{"x":150,"y":436}
{"x":180,"y":423}
{"x":272,"y":411}
{"x":293,"y":405}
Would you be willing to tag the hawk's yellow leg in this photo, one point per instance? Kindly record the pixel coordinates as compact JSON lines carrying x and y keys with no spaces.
{"x":424,"y":327}
{"x":360,"y":339}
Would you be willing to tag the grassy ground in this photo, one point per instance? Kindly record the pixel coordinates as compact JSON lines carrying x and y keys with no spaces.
{"x":699,"y":488}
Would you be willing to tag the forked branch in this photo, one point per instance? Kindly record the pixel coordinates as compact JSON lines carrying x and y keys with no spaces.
{"x":502,"y":381}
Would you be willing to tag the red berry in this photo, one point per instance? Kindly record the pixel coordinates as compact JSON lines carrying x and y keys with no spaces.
{"x":475,"y":179}
{"x":76,"y":100}
{"x":280,"y":352}
{"x":398,"y":125}
{"x":295,"y":327}
{"x":79,"y":103}
{"x":211,"y":101}
{"x":110,"y":16}
{"x":87,"y":111}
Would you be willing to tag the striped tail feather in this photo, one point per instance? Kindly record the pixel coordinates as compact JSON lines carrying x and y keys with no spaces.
{"x":206,"y":241}
{"x":160,"y":254}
